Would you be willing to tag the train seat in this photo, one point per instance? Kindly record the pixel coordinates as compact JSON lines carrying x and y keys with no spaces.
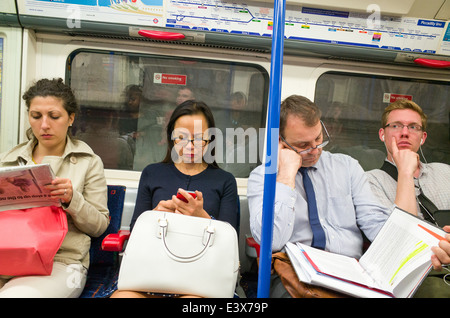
{"x":244,"y":231}
{"x":128,"y":207}
{"x":249,"y":266}
{"x":104,"y":264}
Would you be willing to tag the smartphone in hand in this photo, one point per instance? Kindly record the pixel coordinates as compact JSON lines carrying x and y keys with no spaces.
{"x":182,"y":198}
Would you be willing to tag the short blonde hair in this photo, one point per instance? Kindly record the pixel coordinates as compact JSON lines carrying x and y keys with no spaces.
{"x":404,"y":104}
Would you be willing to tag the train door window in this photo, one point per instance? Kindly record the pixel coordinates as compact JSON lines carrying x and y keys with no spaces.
{"x":352,"y":105}
{"x":127,"y":99}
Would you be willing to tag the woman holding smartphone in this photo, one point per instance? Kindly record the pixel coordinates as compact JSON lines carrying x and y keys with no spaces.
{"x":185,"y":169}
{"x":185,"y":181}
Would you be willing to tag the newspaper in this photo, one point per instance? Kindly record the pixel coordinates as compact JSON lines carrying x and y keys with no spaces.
{"x":22,"y":187}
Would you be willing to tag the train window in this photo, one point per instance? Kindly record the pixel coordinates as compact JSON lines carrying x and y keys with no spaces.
{"x":126,"y":100}
{"x":352,"y":105}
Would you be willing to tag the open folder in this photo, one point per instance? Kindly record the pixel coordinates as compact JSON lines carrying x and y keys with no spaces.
{"x":394,"y":265}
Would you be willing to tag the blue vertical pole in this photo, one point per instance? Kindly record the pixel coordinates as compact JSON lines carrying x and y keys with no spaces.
{"x":272,"y":134}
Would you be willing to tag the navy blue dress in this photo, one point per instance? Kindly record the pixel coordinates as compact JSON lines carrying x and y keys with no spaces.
{"x":160,"y":181}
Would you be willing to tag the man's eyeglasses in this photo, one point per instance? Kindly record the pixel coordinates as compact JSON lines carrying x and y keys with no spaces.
{"x":396,"y":126}
{"x":183,"y":141}
{"x":323,"y":144}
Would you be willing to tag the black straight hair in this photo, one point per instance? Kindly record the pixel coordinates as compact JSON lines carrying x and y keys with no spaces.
{"x":189,"y":107}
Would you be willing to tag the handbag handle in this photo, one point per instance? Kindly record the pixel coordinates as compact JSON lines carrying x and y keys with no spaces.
{"x":209,"y":232}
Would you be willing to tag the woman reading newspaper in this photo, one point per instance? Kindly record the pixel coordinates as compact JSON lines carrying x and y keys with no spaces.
{"x":80,"y":185}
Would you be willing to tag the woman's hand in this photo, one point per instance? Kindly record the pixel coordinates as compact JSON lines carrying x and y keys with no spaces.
{"x":193,"y":207}
{"x":61,"y":189}
{"x":166,"y":206}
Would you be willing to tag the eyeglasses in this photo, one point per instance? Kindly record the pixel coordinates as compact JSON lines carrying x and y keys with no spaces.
{"x":323,"y":144}
{"x":396,"y":126}
{"x":183,"y":141}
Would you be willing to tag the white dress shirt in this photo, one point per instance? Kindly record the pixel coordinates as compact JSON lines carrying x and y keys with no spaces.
{"x":345,"y":204}
{"x":433,"y":180}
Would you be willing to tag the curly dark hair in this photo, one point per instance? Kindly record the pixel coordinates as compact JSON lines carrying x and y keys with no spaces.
{"x":52,"y":87}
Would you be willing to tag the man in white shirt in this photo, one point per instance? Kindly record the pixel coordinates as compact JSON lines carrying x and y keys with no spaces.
{"x":345,"y":203}
{"x":404,"y":131}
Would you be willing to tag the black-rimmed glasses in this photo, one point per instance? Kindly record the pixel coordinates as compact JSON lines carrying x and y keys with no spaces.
{"x":323,"y":144}
{"x":197,"y":142}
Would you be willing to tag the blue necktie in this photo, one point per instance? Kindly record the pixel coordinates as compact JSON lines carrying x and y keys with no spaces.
{"x":318,"y":233}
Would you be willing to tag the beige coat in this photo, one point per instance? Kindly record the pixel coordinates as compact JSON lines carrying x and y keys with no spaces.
{"x":88,"y":213}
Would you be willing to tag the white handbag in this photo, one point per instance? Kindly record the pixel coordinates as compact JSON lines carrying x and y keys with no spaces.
{"x":177,"y":254}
